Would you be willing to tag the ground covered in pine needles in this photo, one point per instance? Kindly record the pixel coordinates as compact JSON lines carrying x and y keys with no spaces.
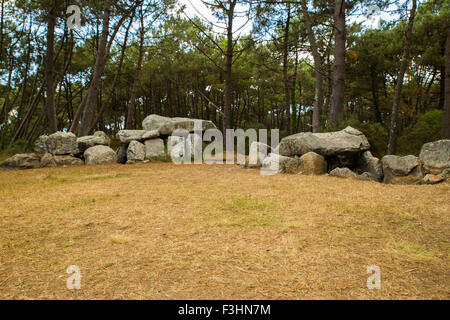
{"x":162,"y":231}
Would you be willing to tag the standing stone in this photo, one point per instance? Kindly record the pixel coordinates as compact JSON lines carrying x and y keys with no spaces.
{"x":195,"y":142}
{"x":175,"y":147}
{"x":135,"y":151}
{"x":100,"y":155}
{"x":21,"y":161}
{"x":401,"y":170}
{"x":435,"y":157}
{"x":258,"y":152}
{"x":369,"y":163}
{"x":313,"y":164}
{"x":343,"y":173}
{"x":154,"y":149}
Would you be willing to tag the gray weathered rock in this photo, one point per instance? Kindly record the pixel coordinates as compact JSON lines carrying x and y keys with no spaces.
{"x":366,"y":176}
{"x":40,"y":146}
{"x":49,"y":161}
{"x":343,"y":173}
{"x":401,"y":170}
{"x":284,"y":164}
{"x":21,"y":161}
{"x":257,"y":153}
{"x":135,"y":151}
{"x":327,"y":144}
{"x":59,"y":143}
{"x":368,"y":163}
{"x":99,"y":138}
{"x":154,"y":149}
{"x":313,"y":164}
{"x":435,"y":157}
{"x":166,"y":125}
{"x":176,"y":147}
{"x":100,"y":155}
{"x":126,"y":136}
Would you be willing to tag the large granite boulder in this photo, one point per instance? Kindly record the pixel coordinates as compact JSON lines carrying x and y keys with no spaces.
{"x":345,"y":142}
{"x":136,"y":151}
{"x":100,"y":155}
{"x":40,"y":145}
{"x":343,"y":173}
{"x":284,"y":164}
{"x":176,"y":147}
{"x":257,"y":153}
{"x":313,"y":164}
{"x":435,"y":158}
{"x":59,"y":143}
{"x":401,"y":170}
{"x":98,"y":139}
{"x":154,"y":149}
{"x":166,"y":126}
{"x":126,"y":136}
{"x":50,"y":161}
{"x":370,"y":164}
{"x":21,"y":161}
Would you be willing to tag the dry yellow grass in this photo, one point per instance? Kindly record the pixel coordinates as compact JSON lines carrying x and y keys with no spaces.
{"x":162,"y":231}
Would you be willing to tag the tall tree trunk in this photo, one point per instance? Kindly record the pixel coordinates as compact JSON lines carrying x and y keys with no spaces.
{"x":318,"y":96}
{"x":337,"y":98}
{"x":131,"y":113}
{"x":287,"y":90}
{"x":376,"y":104}
{"x":392,"y":147}
{"x":87,"y":105}
{"x":294,"y":94}
{"x":1,"y":29}
{"x":445,"y":133}
{"x":116,"y":77}
{"x":50,"y":102}
{"x":229,"y":68}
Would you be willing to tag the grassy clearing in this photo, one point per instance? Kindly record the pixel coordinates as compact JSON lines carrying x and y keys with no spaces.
{"x":162,"y":231}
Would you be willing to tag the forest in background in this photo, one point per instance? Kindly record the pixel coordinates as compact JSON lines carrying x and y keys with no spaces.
{"x":303,"y":67}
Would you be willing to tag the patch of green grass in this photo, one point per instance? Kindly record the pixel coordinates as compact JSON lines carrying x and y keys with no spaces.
{"x":246,"y":203}
{"x":109,"y":264}
{"x":247,"y":210}
{"x":410,"y":251}
{"x":79,"y":203}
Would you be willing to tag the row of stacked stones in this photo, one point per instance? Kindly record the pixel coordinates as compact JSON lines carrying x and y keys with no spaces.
{"x":346,"y":153}
{"x":155,"y":141}
{"x":62,"y":149}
